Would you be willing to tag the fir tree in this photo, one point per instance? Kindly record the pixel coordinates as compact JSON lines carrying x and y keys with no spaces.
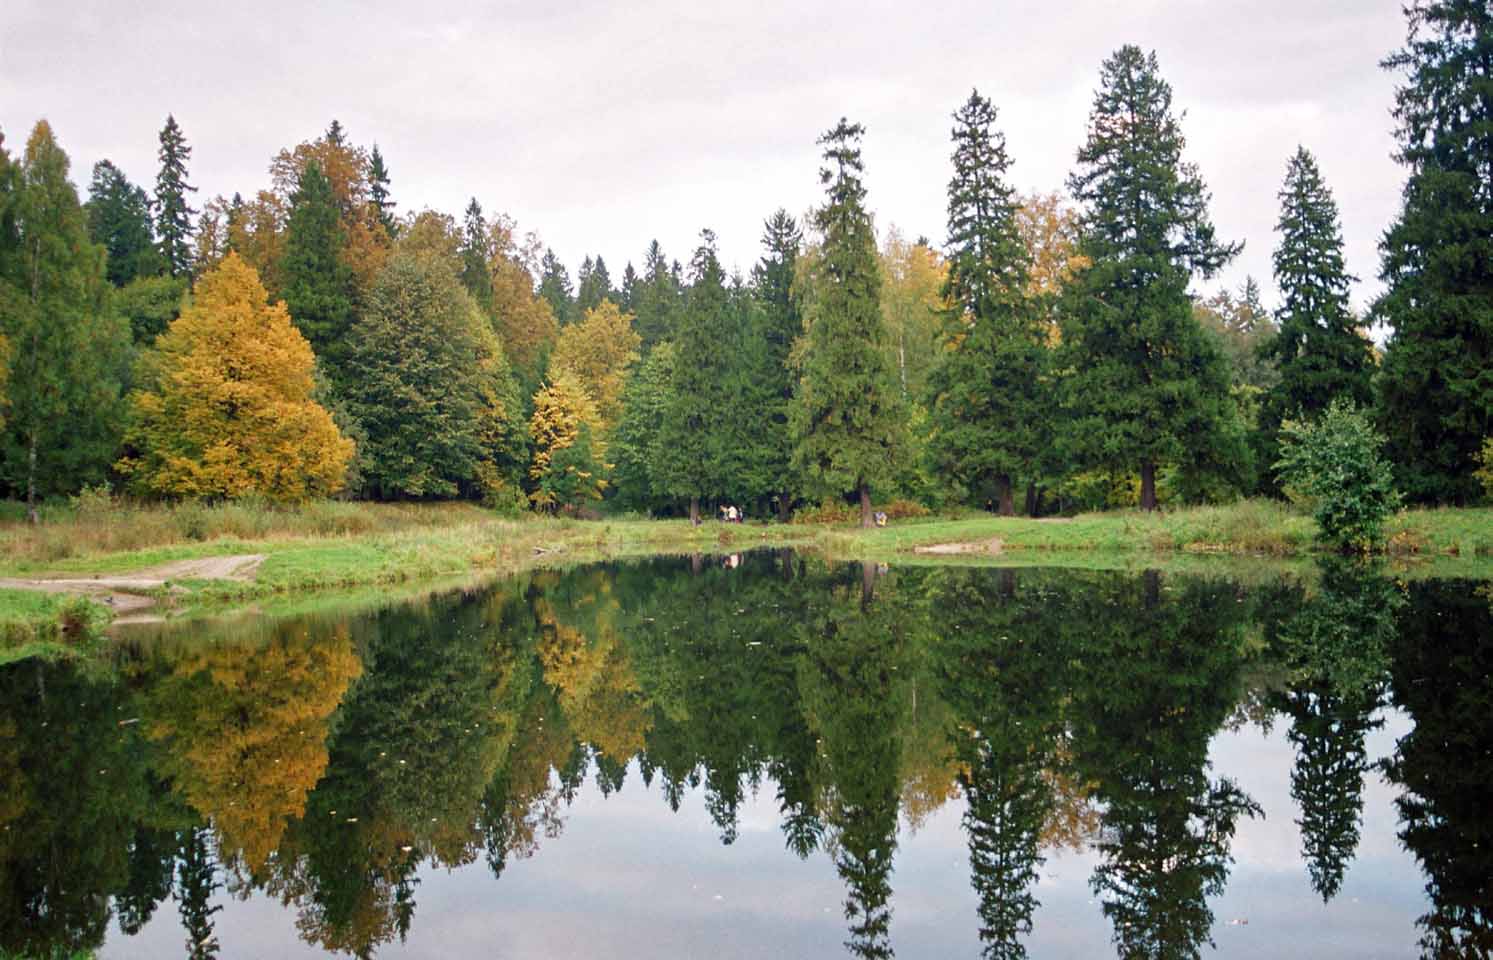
{"x":848,"y":415}
{"x":119,"y":220}
{"x":554,"y":287}
{"x":659,"y":299}
{"x":1436,"y":393}
{"x":316,"y":284}
{"x":987,"y":400}
{"x":173,"y":215}
{"x":628,"y":294}
{"x":476,"y":275}
{"x":1320,"y":349}
{"x":594,"y":286}
{"x":1146,"y":387}
{"x":378,"y":192}
{"x":781,"y":324}
{"x":635,"y":449}
{"x":695,"y":435}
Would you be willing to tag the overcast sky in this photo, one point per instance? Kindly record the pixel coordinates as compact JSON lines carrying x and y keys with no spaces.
{"x":602,"y":126}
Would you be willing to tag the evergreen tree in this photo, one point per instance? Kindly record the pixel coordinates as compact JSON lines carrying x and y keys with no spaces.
{"x":629,"y":293}
{"x":1320,"y":349}
{"x":781,"y":325}
{"x":378,"y":192}
{"x":1146,"y":386}
{"x":554,"y":287}
{"x":695,"y":434}
{"x":1436,"y":394}
{"x":316,"y":284}
{"x":119,"y":220}
{"x":476,"y":254}
{"x":173,"y":215}
{"x":635,"y":445}
{"x":659,"y":300}
{"x":595,"y":285}
{"x":69,"y":356}
{"x":848,"y":416}
{"x":987,"y":401}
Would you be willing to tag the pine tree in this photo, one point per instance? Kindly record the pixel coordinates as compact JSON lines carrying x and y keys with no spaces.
{"x":316,"y":284}
{"x":694,"y":430}
{"x":554,"y":287}
{"x":119,"y":220}
{"x":659,"y":300}
{"x":593,"y":286}
{"x":1146,"y":386}
{"x":476,"y":254}
{"x":378,"y":192}
{"x":1321,"y":349}
{"x":988,"y":396}
{"x":1436,"y":395}
{"x":628,"y":295}
{"x":848,"y":415}
{"x":226,"y":409}
{"x":68,"y":355}
{"x":781,"y":326}
{"x":173,"y":215}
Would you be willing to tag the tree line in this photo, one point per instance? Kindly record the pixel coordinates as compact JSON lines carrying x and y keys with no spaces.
{"x":309,"y":340}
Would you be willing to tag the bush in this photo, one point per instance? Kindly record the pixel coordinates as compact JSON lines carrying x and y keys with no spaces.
{"x":1334,"y":465}
{"x":1486,"y":473}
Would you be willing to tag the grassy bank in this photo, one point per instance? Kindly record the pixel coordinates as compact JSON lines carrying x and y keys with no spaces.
{"x":339,"y":547}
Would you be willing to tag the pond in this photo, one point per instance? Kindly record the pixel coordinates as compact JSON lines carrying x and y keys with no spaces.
{"x":771,"y":755}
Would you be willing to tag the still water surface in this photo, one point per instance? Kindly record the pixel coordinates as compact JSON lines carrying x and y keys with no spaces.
{"x":774,"y":758}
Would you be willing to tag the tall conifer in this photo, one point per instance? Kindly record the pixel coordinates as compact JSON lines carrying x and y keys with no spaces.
{"x":987,"y":403}
{"x":173,"y":214}
{"x":1437,"y":391}
{"x":378,"y":192}
{"x":1146,"y":386}
{"x":119,"y":220}
{"x":554,"y":287}
{"x":781,"y":325}
{"x":316,"y":284}
{"x":848,"y":415}
{"x":476,"y":254}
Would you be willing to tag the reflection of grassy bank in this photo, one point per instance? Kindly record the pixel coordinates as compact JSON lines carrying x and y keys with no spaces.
{"x":377,"y":547}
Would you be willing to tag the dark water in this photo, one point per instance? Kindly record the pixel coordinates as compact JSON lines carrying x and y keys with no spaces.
{"x":776,"y":759}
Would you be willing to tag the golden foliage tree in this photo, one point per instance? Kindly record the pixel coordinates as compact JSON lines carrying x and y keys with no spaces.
{"x":913,"y":306}
{"x":565,"y":415}
{"x":1049,"y":229}
{"x":599,"y":350}
{"x":524,"y":321}
{"x":226,"y":407}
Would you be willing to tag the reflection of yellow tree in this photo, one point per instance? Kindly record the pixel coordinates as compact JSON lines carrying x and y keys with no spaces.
{"x":15,"y":788}
{"x":589,"y":669}
{"x":245,"y":729}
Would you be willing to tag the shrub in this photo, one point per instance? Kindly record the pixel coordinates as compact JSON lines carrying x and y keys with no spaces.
{"x":1334,"y":465}
{"x":1486,"y":473}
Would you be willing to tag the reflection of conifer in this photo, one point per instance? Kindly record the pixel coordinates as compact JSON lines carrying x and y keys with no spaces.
{"x":196,"y":881}
{"x":152,"y":856}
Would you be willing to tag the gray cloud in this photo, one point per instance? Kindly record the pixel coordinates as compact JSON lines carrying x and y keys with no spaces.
{"x":602,"y":126}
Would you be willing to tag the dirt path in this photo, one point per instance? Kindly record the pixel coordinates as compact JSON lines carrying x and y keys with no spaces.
{"x":123,"y":591}
{"x":992,"y":546}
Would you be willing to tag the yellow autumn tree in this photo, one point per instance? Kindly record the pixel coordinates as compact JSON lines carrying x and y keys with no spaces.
{"x":913,"y":306}
{"x":226,"y":407}
{"x":1049,"y":228}
{"x":599,"y":350}
{"x":524,"y":321}
{"x":568,"y":452}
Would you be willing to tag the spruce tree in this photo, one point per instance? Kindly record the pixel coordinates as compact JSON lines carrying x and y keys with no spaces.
{"x":378,"y":192}
{"x":628,"y":294}
{"x":781,"y":325}
{"x":695,"y":435}
{"x":1146,"y":386}
{"x":594,"y":286}
{"x":317,"y":286}
{"x":172,"y":213}
{"x":1436,"y":396}
{"x":987,"y":402}
{"x":119,"y":220}
{"x":554,"y":287}
{"x":659,"y":299}
{"x":848,"y":415}
{"x":1321,"y":350}
{"x":476,"y":274}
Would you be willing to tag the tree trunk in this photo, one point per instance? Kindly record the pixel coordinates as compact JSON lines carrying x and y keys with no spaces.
{"x":694,"y":511}
{"x":1007,"y":505}
{"x":696,"y":563}
{"x":1031,"y":499}
{"x":785,"y":506}
{"x":31,"y":482}
{"x":868,"y":582}
{"x":1148,"y":486}
{"x":1007,"y":582}
{"x":785,"y":561}
{"x":866,"y":519}
{"x":1152,"y":580}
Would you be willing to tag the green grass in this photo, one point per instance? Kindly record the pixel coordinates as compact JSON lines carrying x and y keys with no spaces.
{"x":46,"y":624}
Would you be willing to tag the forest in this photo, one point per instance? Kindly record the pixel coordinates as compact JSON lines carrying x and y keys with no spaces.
{"x":1050,"y":354}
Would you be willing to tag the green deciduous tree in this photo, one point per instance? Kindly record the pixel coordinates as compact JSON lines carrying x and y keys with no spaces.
{"x":988,"y":401}
{"x":69,"y":354}
{"x":1335,"y":464}
{"x":1145,"y":385}
{"x":315,"y":282}
{"x":848,"y":415}
{"x":172,"y":214}
{"x":1436,"y":396}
